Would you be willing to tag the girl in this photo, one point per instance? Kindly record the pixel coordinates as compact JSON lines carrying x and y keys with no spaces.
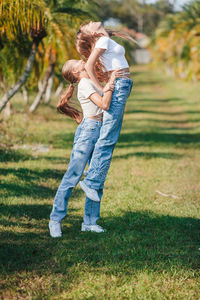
{"x":104,"y":56}
{"x":92,"y":102}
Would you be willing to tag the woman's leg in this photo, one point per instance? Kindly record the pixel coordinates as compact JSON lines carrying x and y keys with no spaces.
{"x":92,"y":210}
{"x":109,"y":135}
{"x":84,"y":142}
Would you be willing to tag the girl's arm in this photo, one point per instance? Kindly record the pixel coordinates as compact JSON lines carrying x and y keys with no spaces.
{"x":104,"y":102}
{"x":89,"y":66}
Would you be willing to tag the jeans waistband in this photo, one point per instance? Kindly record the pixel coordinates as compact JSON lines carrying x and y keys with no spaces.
{"x":125,"y":79}
{"x":92,"y":121}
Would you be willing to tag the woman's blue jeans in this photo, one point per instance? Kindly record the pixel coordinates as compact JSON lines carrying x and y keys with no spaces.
{"x":109,"y":134}
{"x":85,"y":139}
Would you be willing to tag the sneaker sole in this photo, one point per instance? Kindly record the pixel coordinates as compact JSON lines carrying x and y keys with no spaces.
{"x":90,"y":230}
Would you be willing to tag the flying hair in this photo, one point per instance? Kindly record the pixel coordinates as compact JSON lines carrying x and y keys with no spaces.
{"x":85,"y":43}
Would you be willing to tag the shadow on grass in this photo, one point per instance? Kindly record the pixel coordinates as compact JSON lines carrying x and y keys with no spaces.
{"x":158,"y":138}
{"x":36,"y":191}
{"x":29,"y":211}
{"x":143,"y":111}
{"x":29,"y":183}
{"x":10,"y":155}
{"x":149,"y":155}
{"x":146,"y":101}
{"x":29,"y":175}
{"x":136,"y":240}
{"x":63,"y":160}
{"x":63,"y":140}
{"x":13,"y":155}
{"x":168,"y":121}
{"x":154,"y":128}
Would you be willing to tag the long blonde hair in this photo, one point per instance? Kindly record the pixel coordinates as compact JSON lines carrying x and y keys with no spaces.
{"x":65,"y":105}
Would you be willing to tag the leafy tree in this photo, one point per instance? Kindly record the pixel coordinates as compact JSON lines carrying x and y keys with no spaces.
{"x":135,"y":14}
{"x":177,"y":42}
{"x":24,"y":24}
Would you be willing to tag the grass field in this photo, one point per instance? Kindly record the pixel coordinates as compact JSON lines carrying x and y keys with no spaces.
{"x":150,"y":206}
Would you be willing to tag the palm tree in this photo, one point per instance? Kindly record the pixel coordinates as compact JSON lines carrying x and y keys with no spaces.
{"x":22,"y":17}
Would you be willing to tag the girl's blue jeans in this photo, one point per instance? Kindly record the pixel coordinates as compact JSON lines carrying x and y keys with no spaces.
{"x":85,"y":139}
{"x":109,"y":134}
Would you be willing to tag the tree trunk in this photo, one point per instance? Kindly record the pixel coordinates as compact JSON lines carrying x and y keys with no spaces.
{"x":43,"y":88}
{"x":40,"y":85}
{"x":48,"y":93}
{"x":59,"y":89}
{"x":8,"y":110}
{"x":23,"y":78}
{"x":25,"y":94}
{"x":140,"y":23}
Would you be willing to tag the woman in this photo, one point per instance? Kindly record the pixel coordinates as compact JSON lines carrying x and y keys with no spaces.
{"x":92,"y":102}
{"x":104,"y":56}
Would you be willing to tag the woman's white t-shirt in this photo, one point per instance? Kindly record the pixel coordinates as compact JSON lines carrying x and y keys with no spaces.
{"x":86,"y":88}
{"x":114,"y":56}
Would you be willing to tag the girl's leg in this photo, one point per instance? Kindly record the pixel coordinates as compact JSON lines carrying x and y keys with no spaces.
{"x":84,"y":142}
{"x":109,"y":135}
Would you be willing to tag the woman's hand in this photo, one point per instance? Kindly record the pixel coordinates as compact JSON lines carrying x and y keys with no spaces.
{"x":116,"y":74}
{"x":110,"y":84}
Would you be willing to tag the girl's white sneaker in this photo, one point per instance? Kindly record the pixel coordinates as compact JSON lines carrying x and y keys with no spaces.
{"x":93,"y":228}
{"x":55,"y":229}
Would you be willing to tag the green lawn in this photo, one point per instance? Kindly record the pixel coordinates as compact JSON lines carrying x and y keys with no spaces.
{"x":150,"y":206}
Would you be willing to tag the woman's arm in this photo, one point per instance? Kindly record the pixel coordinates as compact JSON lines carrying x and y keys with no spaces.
{"x":89,"y":66}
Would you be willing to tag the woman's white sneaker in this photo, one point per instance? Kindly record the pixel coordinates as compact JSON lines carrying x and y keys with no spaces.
{"x":55,"y":229}
{"x":93,"y":228}
{"x":90,"y":193}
